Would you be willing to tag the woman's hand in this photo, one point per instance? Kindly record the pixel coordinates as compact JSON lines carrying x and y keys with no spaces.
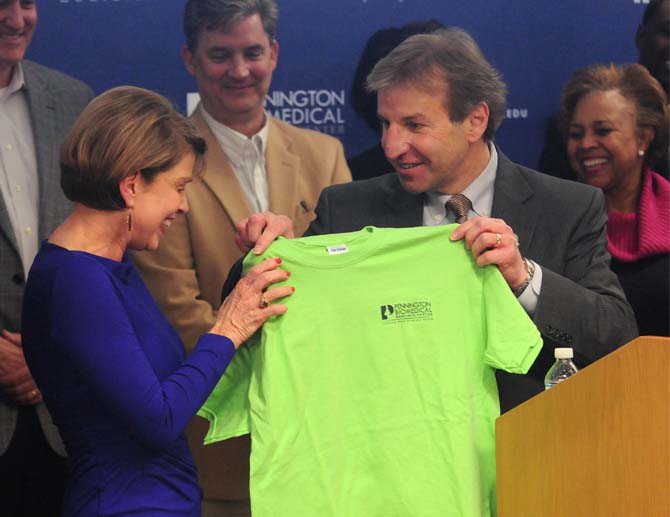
{"x":249,"y":305}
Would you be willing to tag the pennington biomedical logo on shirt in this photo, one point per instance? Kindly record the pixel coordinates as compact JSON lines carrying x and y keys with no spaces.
{"x":409,"y":311}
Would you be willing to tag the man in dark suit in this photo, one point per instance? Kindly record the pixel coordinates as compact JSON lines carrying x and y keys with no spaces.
{"x":440,"y":103}
{"x":37,"y":107}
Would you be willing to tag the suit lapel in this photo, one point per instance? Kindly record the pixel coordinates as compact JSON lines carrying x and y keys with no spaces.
{"x":284,"y":168}
{"x":43,"y":114}
{"x":514,"y":201}
{"x":219,"y":176}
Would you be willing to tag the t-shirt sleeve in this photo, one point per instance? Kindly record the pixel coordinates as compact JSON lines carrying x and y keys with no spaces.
{"x":227,"y":408}
{"x":512,"y":339}
{"x":91,"y":327}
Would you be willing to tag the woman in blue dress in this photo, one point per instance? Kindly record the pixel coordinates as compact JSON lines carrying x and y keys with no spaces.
{"x":110,"y":367}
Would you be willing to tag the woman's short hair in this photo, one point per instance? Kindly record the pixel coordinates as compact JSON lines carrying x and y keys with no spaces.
{"x":450,"y":61}
{"x":123,"y":131}
{"x":635,"y":83}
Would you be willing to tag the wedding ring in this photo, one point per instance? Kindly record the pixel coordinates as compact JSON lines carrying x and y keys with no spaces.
{"x":516,"y":239}
{"x":34,"y":393}
{"x":264,"y":302}
{"x":498,"y":240}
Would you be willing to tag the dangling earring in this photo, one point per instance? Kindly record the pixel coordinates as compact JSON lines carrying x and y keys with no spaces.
{"x":129,"y":217}
{"x":640,"y":152}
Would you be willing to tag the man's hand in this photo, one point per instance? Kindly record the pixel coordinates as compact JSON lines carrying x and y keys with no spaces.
{"x":259,"y":230}
{"x":492,"y":241}
{"x":16,"y":382}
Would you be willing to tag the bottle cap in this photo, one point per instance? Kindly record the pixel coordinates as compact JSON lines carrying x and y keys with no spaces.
{"x":563,"y":353}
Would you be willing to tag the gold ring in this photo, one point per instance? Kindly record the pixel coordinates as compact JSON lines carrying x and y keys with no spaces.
{"x":264,"y":302}
{"x":34,"y":393}
{"x":516,"y":239}
{"x":498,"y":240}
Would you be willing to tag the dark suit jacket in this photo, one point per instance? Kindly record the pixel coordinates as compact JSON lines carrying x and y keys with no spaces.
{"x":561,"y":226}
{"x":54,"y":102}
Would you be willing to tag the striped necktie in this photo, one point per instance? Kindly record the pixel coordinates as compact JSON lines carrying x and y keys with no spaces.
{"x":460,"y":206}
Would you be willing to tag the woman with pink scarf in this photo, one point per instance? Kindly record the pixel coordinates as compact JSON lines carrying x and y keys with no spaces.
{"x":616,"y":123}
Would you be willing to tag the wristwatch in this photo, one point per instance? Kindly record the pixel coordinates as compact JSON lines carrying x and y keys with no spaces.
{"x":531,"y":272}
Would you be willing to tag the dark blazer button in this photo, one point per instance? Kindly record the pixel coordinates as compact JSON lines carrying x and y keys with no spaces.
{"x":18,"y":279}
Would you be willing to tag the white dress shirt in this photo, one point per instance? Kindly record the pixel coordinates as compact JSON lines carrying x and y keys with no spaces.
{"x":246,"y":157}
{"x":18,"y":167}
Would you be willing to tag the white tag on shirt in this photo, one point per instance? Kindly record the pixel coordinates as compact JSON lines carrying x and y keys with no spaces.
{"x":337,"y":250}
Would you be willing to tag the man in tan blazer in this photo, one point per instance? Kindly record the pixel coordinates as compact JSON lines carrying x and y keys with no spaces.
{"x":254,"y":163}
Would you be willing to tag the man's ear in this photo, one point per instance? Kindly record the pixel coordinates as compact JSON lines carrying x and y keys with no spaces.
{"x":478,"y":120}
{"x":127,"y":189}
{"x":187,"y":57}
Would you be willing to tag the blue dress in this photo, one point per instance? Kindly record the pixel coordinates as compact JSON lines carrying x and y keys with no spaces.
{"x":113,"y":375}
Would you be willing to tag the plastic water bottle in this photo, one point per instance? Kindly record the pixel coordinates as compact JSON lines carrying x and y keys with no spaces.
{"x":562,"y":368}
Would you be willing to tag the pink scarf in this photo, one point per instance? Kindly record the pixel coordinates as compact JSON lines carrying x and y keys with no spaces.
{"x":632,"y":237}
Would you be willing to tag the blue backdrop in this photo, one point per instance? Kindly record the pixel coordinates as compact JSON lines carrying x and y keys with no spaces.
{"x":535,"y":44}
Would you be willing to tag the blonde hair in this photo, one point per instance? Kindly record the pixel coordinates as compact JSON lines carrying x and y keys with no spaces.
{"x":123,"y":131}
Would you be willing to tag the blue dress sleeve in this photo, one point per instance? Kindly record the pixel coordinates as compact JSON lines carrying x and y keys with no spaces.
{"x":92,"y":327}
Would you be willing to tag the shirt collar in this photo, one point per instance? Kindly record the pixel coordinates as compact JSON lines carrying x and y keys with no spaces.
{"x":235,"y":143}
{"x":15,"y":83}
{"x":479,"y":192}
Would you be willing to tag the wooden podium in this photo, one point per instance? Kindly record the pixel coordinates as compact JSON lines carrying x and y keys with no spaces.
{"x":598,"y":444}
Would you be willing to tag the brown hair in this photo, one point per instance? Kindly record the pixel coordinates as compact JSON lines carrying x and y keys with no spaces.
{"x":123,"y":131}
{"x":635,"y":83}
{"x":207,"y":15}
{"x":448,"y":59}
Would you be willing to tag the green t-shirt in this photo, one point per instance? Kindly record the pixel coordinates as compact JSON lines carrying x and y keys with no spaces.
{"x":375,"y":394}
